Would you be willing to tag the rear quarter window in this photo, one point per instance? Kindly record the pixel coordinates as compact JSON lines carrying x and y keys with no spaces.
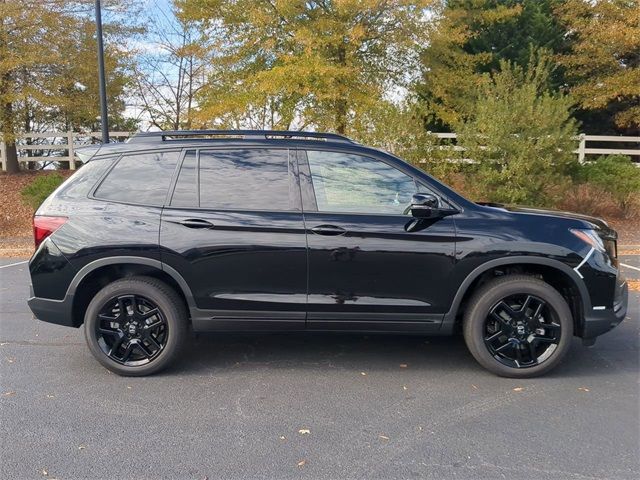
{"x":139,"y":179}
{"x":80,"y":183}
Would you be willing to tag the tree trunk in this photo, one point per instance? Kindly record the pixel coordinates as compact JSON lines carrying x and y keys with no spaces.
{"x":12,"y":158}
{"x":8,"y":131}
{"x":341,"y":106}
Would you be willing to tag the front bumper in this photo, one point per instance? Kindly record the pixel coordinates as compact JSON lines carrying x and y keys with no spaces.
{"x":598,"y":322}
{"x":59,"y":312}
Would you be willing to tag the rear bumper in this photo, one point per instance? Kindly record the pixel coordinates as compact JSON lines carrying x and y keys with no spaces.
{"x":598,"y":322}
{"x":52,"y":311}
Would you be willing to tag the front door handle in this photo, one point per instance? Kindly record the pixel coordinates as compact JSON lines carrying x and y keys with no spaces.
{"x":331,"y":230}
{"x":196,"y":223}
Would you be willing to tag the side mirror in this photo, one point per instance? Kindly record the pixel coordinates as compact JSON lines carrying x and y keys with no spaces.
{"x":427,"y":206}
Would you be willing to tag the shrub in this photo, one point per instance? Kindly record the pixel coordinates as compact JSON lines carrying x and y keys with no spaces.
{"x":590,"y":200}
{"x":37,"y":191}
{"x":521,"y":136}
{"x":617,"y":175}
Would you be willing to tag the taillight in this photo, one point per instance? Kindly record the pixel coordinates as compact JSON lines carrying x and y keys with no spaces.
{"x":45,"y":226}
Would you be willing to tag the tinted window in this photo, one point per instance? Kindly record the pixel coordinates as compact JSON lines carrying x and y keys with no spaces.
{"x":186,"y":191}
{"x":81,"y":182}
{"x":352,"y":183}
{"x":244,"y":179}
{"x":142,"y":178}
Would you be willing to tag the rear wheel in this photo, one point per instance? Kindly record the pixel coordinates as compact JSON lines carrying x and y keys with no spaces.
{"x":518,"y":326}
{"x":135,"y":326}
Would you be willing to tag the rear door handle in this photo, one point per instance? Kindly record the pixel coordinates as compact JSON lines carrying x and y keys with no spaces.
{"x":331,"y":230}
{"x":196,"y":223}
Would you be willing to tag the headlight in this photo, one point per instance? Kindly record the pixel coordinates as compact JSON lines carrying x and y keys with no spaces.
{"x":590,"y":237}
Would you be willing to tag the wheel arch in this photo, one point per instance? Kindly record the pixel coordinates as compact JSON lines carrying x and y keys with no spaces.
{"x":557,"y":274}
{"x":97,"y":274}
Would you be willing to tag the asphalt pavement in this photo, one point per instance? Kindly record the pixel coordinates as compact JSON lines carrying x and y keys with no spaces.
{"x":311,"y":407}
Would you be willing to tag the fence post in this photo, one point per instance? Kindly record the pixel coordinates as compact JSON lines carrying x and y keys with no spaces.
{"x":581,"y":146}
{"x":3,"y":155}
{"x":72,"y":156}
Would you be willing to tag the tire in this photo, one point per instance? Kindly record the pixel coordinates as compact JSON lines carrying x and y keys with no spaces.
{"x":136,"y":326}
{"x":511,"y":320}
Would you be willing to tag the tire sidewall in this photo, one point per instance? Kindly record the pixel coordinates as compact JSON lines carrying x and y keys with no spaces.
{"x":487,"y":298}
{"x":172,"y":314}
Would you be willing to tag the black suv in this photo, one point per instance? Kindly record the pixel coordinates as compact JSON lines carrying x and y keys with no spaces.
{"x":300,"y":231}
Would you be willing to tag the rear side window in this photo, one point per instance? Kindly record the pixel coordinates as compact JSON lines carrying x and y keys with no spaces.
{"x":246,"y":179}
{"x":141,"y":178}
{"x":80,"y":183}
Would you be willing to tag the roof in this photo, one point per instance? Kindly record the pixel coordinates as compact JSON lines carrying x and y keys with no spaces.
{"x":183,"y":138}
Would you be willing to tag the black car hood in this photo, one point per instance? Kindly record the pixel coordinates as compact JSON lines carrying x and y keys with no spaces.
{"x":598,"y":223}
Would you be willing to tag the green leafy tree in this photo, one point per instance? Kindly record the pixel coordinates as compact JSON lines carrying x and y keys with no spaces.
{"x":286,"y":63}
{"x":471,"y":37}
{"x":521,"y":136}
{"x":603,"y":65}
{"x":48,"y":67}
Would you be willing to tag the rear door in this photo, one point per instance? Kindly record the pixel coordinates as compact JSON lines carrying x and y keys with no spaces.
{"x":234,"y":230}
{"x":368,"y":269}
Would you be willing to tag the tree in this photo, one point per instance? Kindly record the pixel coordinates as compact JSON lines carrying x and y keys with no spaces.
{"x":48,"y":64}
{"x":171,"y":71}
{"x":521,"y":136}
{"x":603,"y":66}
{"x":471,"y":37}
{"x":314,"y":63}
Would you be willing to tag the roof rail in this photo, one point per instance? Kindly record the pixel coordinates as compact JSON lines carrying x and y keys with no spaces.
{"x":244,"y":134}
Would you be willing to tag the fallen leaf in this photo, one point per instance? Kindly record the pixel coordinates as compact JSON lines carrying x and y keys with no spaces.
{"x":403,"y":365}
{"x":518,"y":389}
{"x":304,"y":431}
{"x":302,"y":463}
{"x":9,"y":393}
{"x":583,"y":389}
{"x":476,"y":388}
{"x":363,"y":374}
{"x":383,"y":437}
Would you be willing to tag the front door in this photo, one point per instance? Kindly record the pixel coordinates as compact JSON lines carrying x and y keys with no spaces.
{"x":367,"y":269}
{"x":234,"y":230}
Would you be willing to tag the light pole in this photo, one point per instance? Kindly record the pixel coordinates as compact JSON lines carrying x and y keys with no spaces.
{"x":101,"y":81}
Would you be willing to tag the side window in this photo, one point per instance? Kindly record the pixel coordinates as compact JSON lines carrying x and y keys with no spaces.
{"x":252,"y":179}
{"x":186,"y":191}
{"x":81,"y":182}
{"x":351,"y":183}
{"x":141,"y":178}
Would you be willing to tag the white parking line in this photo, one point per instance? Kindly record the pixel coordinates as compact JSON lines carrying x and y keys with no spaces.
{"x":630,"y":266}
{"x":14,"y":264}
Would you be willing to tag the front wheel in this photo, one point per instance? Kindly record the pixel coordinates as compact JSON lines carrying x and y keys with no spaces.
{"x":135,"y":326}
{"x":518,"y":326}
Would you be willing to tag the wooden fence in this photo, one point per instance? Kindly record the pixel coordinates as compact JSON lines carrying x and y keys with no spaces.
{"x":54,"y":146}
{"x":583,"y":148}
{"x":60,"y":146}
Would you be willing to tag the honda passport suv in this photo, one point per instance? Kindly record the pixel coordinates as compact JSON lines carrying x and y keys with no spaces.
{"x":265,"y":231}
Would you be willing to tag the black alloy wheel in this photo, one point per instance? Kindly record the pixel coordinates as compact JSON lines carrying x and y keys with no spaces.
{"x":131,"y":330}
{"x":136,"y":326}
{"x":521,"y":332}
{"x":518,"y":326}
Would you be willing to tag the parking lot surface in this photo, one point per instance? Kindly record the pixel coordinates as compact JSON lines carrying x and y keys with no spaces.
{"x":301,"y":406}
